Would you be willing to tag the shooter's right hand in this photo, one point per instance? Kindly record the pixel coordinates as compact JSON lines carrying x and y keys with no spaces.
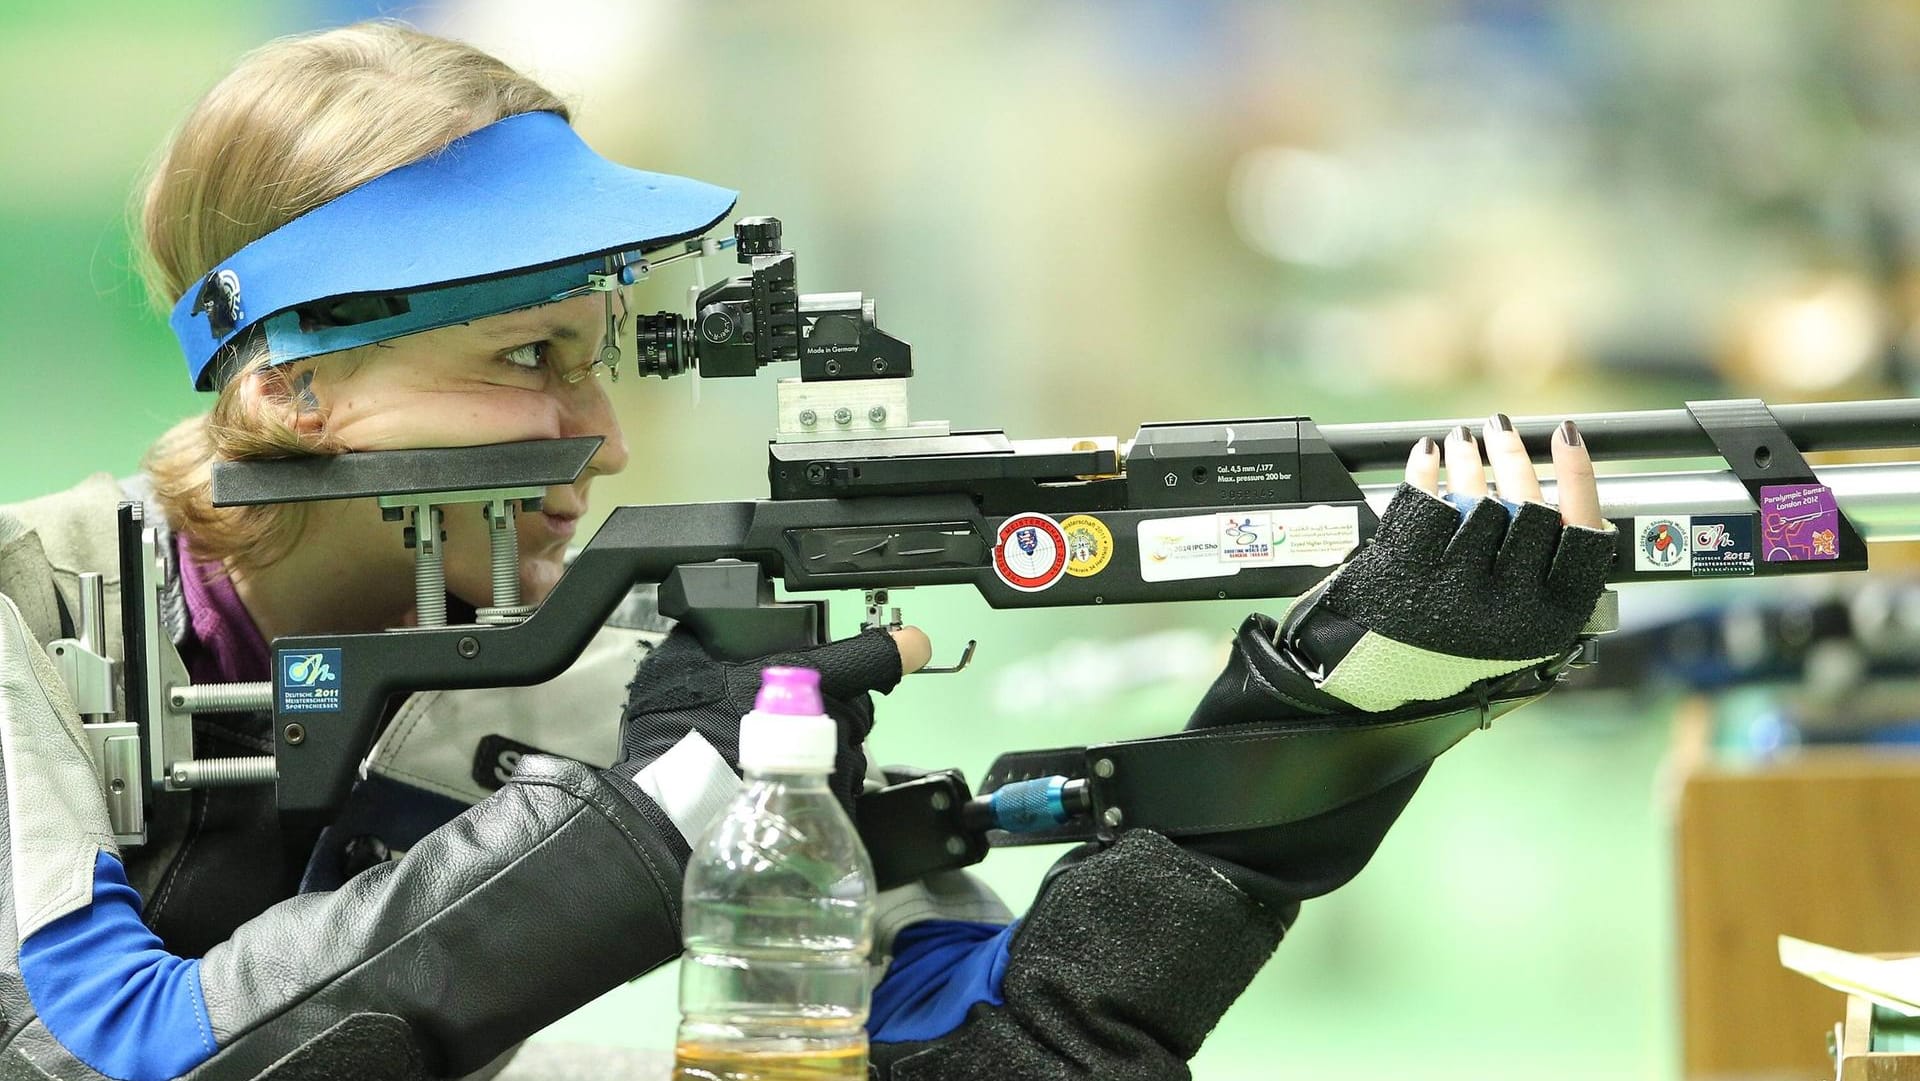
{"x":685,"y":703}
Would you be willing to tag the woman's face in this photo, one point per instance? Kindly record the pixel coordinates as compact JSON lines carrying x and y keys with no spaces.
{"x":494,"y":380}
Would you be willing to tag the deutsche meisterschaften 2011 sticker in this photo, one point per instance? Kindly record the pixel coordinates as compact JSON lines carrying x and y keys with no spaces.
{"x":1030,"y":552}
{"x":1722,"y":545}
{"x":1089,"y":545}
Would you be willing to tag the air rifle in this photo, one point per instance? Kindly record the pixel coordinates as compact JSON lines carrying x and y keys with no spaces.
{"x":864,"y":497}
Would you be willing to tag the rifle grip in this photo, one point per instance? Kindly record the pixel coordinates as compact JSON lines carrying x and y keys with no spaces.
{"x":729,"y":607}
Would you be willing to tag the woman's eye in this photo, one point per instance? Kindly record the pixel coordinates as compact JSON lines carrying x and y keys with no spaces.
{"x":531,"y":355}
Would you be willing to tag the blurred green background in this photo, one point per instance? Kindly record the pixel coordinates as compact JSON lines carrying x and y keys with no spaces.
{"x":1089,"y":215}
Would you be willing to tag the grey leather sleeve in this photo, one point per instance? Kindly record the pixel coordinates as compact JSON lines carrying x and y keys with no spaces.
{"x":525,"y":907}
{"x":529,"y":904}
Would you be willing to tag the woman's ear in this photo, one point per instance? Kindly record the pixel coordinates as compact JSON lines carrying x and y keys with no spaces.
{"x":284,"y":394}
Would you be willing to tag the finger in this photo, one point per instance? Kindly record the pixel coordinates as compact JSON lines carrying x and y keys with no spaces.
{"x":1513,"y":475}
{"x":1417,"y":526}
{"x":915,"y":649}
{"x":869,"y":661}
{"x":1578,"y":492}
{"x":1477,"y":542}
{"x":1465,"y":473}
{"x":1528,"y":548}
{"x":1423,"y":466}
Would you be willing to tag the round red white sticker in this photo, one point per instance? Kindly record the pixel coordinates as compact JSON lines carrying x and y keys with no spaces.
{"x":1031,"y":552}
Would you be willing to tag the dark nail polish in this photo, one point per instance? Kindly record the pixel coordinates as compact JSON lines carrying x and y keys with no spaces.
{"x":1425,"y":447}
{"x":1569,"y":434}
{"x":1463,"y":435}
{"x":1501,"y":422}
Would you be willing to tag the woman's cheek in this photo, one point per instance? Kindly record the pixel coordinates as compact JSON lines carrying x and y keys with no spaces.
{"x":539,"y":573}
{"x":501,"y":415}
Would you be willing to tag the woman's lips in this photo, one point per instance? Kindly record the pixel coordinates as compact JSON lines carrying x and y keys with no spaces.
{"x":560,"y":525}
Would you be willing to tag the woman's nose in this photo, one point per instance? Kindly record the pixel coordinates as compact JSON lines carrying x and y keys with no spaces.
{"x":591,"y":413}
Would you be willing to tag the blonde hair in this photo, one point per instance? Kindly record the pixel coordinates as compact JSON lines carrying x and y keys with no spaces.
{"x":298,"y":122}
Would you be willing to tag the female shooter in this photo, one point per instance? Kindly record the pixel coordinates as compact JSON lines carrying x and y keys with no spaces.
{"x":374,"y":239}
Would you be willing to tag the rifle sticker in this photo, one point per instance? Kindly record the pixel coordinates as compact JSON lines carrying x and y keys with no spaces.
{"x":1030,"y":552}
{"x":1247,"y":539}
{"x":1722,"y":545}
{"x":1664,"y":544}
{"x":1178,"y":549}
{"x":310,"y":682}
{"x":1317,"y":536}
{"x":1799,"y":521}
{"x":1089,"y":545}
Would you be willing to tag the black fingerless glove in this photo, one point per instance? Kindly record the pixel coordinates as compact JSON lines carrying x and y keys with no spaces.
{"x":1436,"y":604}
{"x":1392,"y":653}
{"x":680,"y":688}
{"x":1123,"y":965}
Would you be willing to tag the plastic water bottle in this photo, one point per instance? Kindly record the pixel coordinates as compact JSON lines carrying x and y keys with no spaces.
{"x":778,"y":916}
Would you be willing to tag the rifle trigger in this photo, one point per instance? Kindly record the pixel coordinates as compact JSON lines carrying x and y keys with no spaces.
{"x":966,"y":658}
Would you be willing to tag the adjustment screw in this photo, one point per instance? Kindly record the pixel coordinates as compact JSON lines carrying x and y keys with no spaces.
{"x":1103,"y":768}
{"x":410,"y":536}
{"x":878,"y":414}
{"x":879,"y":364}
{"x":296,"y":733}
{"x":469,"y":646}
{"x":940,"y":801}
{"x":808,"y":418}
{"x":392,"y":514}
{"x":956,"y":846}
{"x":843,"y":416}
{"x":117,"y":786}
{"x":1112,"y":817}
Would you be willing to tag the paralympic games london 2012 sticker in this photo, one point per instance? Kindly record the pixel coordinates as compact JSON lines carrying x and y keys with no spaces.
{"x":1030,"y":552}
{"x":1089,"y":545}
{"x":1799,"y":521}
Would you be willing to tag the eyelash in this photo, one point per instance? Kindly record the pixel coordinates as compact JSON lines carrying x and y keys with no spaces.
{"x":537,"y":350}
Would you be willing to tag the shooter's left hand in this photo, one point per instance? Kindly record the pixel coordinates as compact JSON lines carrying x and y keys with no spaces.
{"x":1452,"y":592}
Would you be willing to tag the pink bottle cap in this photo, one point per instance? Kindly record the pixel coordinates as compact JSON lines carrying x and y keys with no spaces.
{"x":791,"y":692}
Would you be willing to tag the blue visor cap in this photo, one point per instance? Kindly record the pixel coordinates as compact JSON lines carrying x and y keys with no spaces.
{"x":515,"y":214}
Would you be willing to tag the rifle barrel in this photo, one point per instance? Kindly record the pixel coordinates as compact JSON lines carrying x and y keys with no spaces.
{"x":1644,"y":433}
{"x":1882,"y":498}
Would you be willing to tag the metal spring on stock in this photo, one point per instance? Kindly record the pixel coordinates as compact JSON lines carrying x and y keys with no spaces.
{"x":220,"y":772}
{"x":503,"y":536}
{"x":429,"y":571}
{"x":221,"y":698}
{"x":506,"y":560}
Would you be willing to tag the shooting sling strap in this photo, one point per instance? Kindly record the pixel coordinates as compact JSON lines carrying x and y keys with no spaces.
{"x":1208,"y":781}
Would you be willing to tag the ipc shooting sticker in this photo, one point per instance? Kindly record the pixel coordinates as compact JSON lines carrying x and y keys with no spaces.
{"x":1030,"y":553}
{"x":1089,"y":545}
{"x":1664,"y":544}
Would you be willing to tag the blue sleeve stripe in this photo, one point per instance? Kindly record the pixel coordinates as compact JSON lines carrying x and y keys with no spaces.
{"x":108,"y":990}
{"x":940,"y":970}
